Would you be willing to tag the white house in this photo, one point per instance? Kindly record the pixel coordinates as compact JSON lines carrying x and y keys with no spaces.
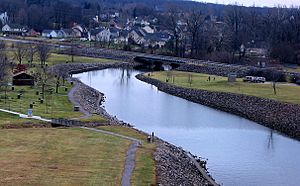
{"x":50,"y":33}
{"x":14,"y":29}
{"x":148,"y":29}
{"x":100,"y":34}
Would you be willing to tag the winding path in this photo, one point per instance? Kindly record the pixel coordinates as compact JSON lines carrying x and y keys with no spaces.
{"x":130,"y":157}
{"x":73,"y":100}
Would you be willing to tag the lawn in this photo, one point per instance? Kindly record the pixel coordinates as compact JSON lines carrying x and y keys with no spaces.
{"x":13,"y":120}
{"x":144,"y":172}
{"x":285,"y":93}
{"x":62,"y":58}
{"x":294,"y":69}
{"x":55,"y":105}
{"x":60,"y":157}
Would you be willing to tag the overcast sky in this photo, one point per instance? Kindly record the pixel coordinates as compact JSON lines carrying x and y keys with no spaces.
{"x":260,"y":3}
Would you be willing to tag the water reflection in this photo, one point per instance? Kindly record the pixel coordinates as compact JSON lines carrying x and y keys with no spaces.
{"x":239,"y":152}
{"x":270,"y":140}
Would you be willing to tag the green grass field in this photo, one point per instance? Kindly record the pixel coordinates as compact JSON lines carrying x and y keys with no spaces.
{"x":56,"y":105}
{"x":60,"y":157}
{"x":296,"y":69}
{"x":61,"y":58}
{"x":285,"y":93}
{"x":10,"y":120}
{"x":144,"y":172}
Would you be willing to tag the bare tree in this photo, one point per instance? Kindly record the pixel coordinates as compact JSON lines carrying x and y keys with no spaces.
{"x":3,"y":67}
{"x":43,"y":78}
{"x":235,"y":32}
{"x":44,"y":53}
{"x":195,"y":21}
{"x":31,"y":52}
{"x":172,"y":24}
{"x":276,"y":76}
{"x":20,"y":52}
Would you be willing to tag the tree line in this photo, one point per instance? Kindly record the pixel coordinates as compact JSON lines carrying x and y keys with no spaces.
{"x":210,"y":31}
{"x":275,"y":29}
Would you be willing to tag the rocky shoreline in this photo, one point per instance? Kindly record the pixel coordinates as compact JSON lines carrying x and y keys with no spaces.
{"x":213,"y":69}
{"x":87,"y":97}
{"x":173,"y":165}
{"x":283,"y":117}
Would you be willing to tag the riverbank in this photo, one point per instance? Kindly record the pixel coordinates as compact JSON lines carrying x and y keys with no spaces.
{"x":282,"y":117}
{"x":89,"y":99}
{"x":173,"y":165}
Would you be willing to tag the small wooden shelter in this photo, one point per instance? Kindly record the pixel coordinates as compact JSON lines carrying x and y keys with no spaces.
{"x":22,"y":79}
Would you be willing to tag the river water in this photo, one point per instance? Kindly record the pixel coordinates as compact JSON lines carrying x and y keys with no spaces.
{"x":239,"y":151}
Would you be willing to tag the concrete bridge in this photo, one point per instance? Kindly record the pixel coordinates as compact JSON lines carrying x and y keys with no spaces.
{"x":157,"y":62}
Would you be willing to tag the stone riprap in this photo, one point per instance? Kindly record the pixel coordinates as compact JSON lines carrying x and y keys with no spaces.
{"x":87,"y":97}
{"x":283,"y":117}
{"x":218,"y":69}
{"x":174,"y":167}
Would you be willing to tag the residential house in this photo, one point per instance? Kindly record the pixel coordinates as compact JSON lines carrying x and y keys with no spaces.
{"x":50,"y":33}
{"x":65,"y":33}
{"x":148,"y":29}
{"x":14,"y":29}
{"x":100,"y":34}
{"x":33,"y":33}
{"x":140,"y":21}
{"x":137,"y":35}
{"x":114,"y":33}
{"x":123,"y":37}
{"x":157,"y":39}
{"x":79,"y":31}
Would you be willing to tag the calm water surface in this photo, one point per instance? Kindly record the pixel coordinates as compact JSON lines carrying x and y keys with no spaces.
{"x":239,"y":151}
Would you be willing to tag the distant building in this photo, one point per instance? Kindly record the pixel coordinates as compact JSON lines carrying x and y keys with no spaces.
{"x":114,"y":33}
{"x":157,"y":39}
{"x":14,"y":29}
{"x":123,"y":37}
{"x":100,"y":34}
{"x":50,"y":33}
{"x":79,"y":31}
{"x":148,"y":29}
{"x":65,"y":33}
{"x":33,"y":33}
{"x":137,"y":35}
{"x":22,"y":78}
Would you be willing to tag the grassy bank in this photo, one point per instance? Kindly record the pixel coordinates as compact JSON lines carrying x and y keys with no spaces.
{"x":60,"y":157}
{"x":55,"y":105}
{"x":285,"y":93}
{"x":13,"y":121}
{"x":144,"y":172}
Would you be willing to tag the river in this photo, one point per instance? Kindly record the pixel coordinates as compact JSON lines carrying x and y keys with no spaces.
{"x":239,"y":151}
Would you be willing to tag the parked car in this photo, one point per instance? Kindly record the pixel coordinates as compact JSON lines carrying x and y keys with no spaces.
{"x":254,"y":79}
{"x":248,"y":78}
{"x":298,"y":82}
